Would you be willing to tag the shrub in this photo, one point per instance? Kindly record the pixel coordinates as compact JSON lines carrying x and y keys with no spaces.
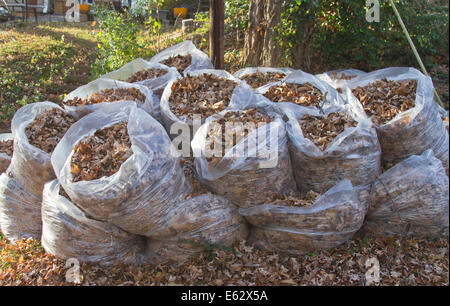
{"x":342,"y":32}
{"x":117,"y":40}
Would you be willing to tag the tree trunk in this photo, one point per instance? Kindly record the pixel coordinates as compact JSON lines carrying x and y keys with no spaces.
{"x":260,"y":47}
{"x":301,"y":58}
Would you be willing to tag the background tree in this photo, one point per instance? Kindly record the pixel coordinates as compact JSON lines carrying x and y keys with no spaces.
{"x":260,"y":46}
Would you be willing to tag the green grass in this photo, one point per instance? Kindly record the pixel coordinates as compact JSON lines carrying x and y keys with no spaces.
{"x":43,"y":61}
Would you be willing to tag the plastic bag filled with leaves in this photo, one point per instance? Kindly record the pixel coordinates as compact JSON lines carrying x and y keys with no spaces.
{"x":101,"y":92}
{"x":185,"y":57}
{"x":20,"y":210}
{"x":6,"y":150}
{"x":154,"y":76}
{"x":196,"y":225}
{"x":117,"y":164}
{"x":329,"y":221}
{"x":302,"y":90}
{"x":400,"y":103}
{"x":339,"y":78}
{"x":243,"y":156}
{"x":411,"y":198}
{"x":260,"y":76}
{"x":36,"y":129}
{"x":328,"y":146}
{"x":68,"y":233}
{"x":201,"y":94}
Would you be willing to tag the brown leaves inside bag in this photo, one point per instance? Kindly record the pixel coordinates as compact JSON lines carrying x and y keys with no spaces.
{"x":324,"y":129}
{"x":143,"y":75}
{"x":101,"y":154}
{"x":301,"y":94}
{"x":47,"y":129}
{"x":7,"y":147}
{"x":259,"y":79}
{"x":181,"y":62}
{"x":109,"y":95}
{"x":205,"y":94}
{"x":383,"y":100}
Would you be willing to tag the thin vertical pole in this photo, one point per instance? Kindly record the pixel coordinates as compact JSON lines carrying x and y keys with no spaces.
{"x":216,"y":32}
{"x":413,"y":47}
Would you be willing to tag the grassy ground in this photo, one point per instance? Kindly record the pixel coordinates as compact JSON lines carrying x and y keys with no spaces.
{"x":41,"y":62}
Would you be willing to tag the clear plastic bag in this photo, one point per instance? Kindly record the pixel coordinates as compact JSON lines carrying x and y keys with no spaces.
{"x":332,"y":97}
{"x":156,"y":85}
{"x":30,"y":166}
{"x":332,"y":219}
{"x":20,"y":210}
{"x":256,"y":168}
{"x":151,"y":104}
{"x":413,"y":131}
{"x":339,"y":78}
{"x":5,"y":159}
{"x":68,"y":233}
{"x":242,"y":95}
{"x":148,"y":184}
{"x":354,"y":154}
{"x":411,"y":198}
{"x":200,"y":60}
{"x":194,"y":226}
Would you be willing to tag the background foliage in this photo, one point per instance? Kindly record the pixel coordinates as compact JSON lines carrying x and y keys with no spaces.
{"x":117,"y":40}
{"x":342,"y":34}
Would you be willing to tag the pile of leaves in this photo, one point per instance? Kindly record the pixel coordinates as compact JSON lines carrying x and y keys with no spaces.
{"x":204,"y":94}
{"x":304,"y":200}
{"x":7,"y":147}
{"x":101,"y":154}
{"x":385,"y":99}
{"x":322,"y":130}
{"x":301,"y":94}
{"x":405,"y":262}
{"x":181,"y":62}
{"x":148,"y":74}
{"x":259,"y":79}
{"x":241,"y":122}
{"x":109,"y":95}
{"x":47,"y":129}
